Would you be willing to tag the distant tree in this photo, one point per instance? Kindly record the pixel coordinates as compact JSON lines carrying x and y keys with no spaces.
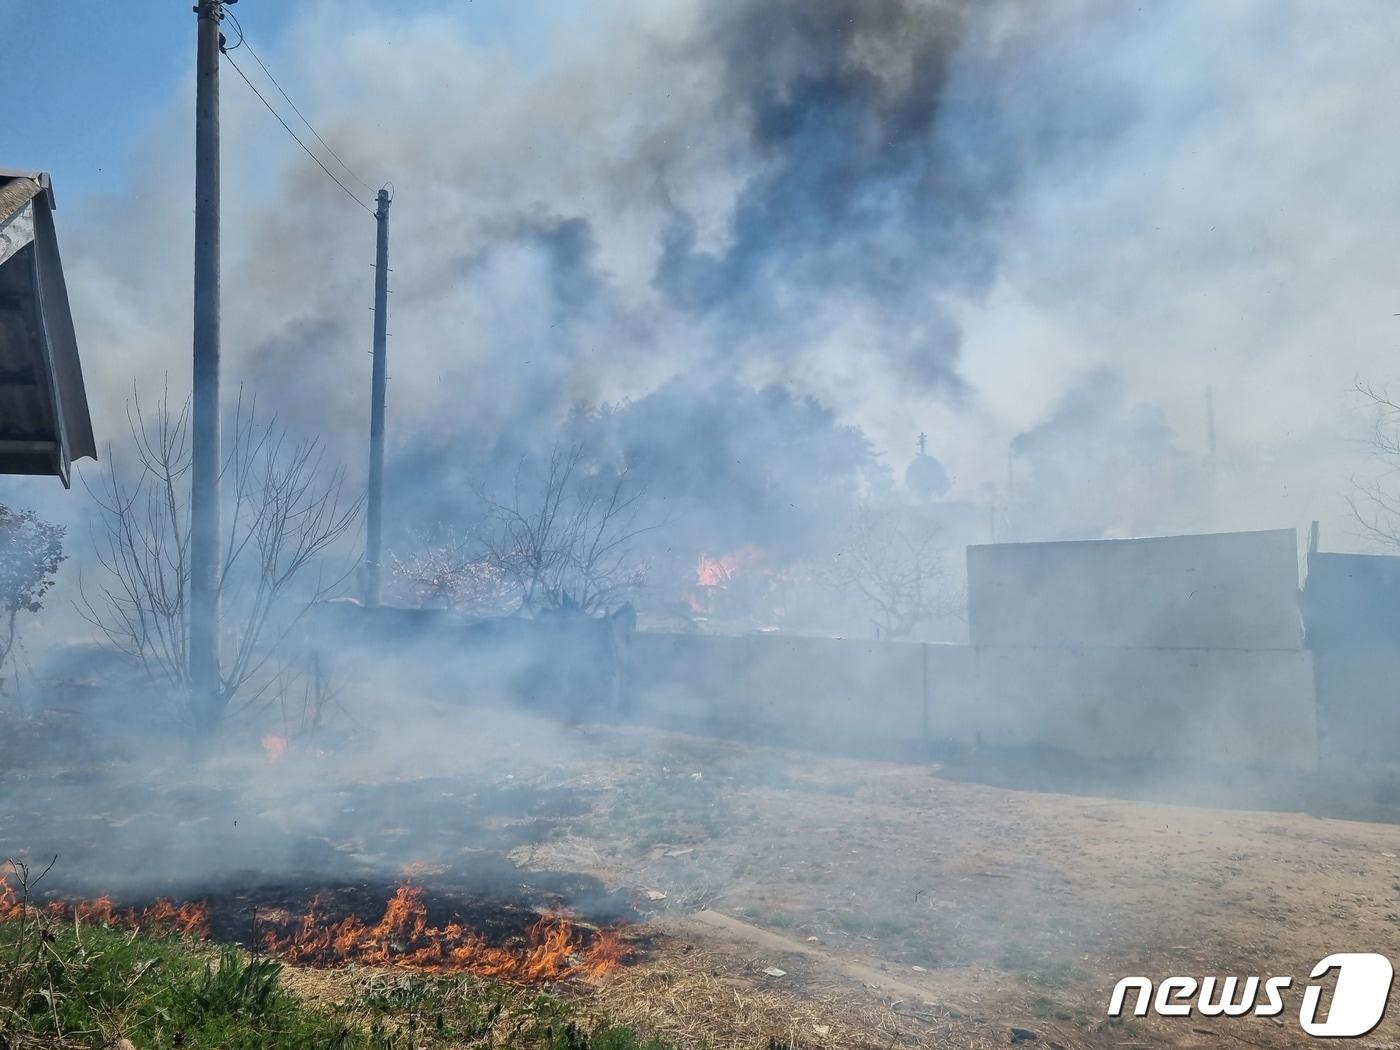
{"x":1375,"y":502}
{"x":567,"y":533}
{"x":285,"y":509}
{"x":894,"y":564}
{"x":736,"y":466}
{"x":30,"y":553}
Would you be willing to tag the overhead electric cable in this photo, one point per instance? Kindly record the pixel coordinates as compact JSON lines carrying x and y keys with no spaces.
{"x":329,"y":174}
{"x":295,"y":108}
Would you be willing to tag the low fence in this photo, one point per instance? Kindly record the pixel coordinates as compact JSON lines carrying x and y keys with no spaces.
{"x":1250,"y":707}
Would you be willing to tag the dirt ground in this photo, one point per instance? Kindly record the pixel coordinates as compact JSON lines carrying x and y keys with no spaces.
{"x":997,"y":908}
{"x":786,"y":899}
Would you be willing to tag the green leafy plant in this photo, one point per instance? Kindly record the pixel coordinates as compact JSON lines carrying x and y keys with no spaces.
{"x":30,"y":552}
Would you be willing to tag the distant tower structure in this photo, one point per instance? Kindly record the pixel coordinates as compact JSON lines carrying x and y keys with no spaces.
{"x":925,"y":475}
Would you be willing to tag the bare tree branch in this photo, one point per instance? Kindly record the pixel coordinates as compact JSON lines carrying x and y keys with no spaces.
{"x":567,"y":537}
{"x":285,"y":510}
{"x":896,"y":569}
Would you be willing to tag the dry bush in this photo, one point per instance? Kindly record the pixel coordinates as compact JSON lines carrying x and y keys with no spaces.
{"x":285,"y":510}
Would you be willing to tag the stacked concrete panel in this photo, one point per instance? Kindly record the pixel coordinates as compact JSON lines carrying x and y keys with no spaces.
{"x":1177,"y":650}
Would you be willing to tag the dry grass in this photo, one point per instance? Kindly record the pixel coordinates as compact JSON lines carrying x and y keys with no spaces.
{"x":19,"y":1041}
{"x":690,"y":996}
{"x":694,"y":996}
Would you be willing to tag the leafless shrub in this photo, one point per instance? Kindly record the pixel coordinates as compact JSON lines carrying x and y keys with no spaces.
{"x":895,"y":565}
{"x":567,"y":533}
{"x":448,"y":570}
{"x":23,"y":973}
{"x":306,"y":693}
{"x":285,"y":508}
{"x":1375,"y":502}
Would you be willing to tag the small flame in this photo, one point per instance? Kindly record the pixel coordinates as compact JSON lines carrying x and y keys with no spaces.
{"x":162,"y":917}
{"x":741,"y":585}
{"x":718,"y":572}
{"x":714,"y":574}
{"x":274,"y":747}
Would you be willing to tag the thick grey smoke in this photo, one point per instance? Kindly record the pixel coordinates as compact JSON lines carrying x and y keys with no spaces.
{"x":698,"y":192}
{"x":928,"y":216}
{"x":861,"y":193}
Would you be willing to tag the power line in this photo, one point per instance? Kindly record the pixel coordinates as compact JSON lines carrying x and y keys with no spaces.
{"x":223,"y":46}
{"x":329,"y":174}
{"x":242,"y":42}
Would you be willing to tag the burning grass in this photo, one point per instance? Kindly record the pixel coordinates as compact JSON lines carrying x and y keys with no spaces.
{"x":161,"y":917}
{"x":554,"y":948}
{"x":551,"y":949}
{"x":77,"y":987}
{"x":89,"y":973}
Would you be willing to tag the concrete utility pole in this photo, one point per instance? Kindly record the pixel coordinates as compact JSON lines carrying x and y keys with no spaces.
{"x":376,"y":407}
{"x":205,"y":685}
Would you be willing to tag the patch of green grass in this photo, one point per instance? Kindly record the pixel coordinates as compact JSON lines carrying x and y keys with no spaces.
{"x":569,"y":1037}
{"x":1048,"y":1009}
{"x":878,"y":926}
{"x":464,"y":1009}
{"x":662,"y":807}
{"x":898,"y":938}
{"x":93,"y":985}
{"x":775,"y":919}
{"x":1036,"y":967}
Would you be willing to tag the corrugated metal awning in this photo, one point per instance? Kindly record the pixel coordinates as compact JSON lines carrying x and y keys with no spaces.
{"x":44,"y":420}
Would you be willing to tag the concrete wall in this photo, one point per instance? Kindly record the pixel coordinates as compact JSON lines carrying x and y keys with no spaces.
{"x":1351,"y":606}
{"x":1186,"y":706}
{"x":1252,"y":708}
{"x":855,"y":695}
{"x":1235,"y":590}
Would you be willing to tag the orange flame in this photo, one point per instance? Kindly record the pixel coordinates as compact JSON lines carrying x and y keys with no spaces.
{"x":555,"y":949}
{"x":714,"y":574}
{"x":741,"y":584}
{"x":717,"y":572}
{"x":162,"y":917}
{"x":274,"y":747}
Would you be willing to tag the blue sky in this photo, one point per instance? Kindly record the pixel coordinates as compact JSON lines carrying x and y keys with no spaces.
{"x":98,"y":73}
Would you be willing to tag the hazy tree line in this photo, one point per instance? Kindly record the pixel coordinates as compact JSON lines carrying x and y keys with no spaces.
{"x":580,"y":523}
{"x":616,"y":506}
